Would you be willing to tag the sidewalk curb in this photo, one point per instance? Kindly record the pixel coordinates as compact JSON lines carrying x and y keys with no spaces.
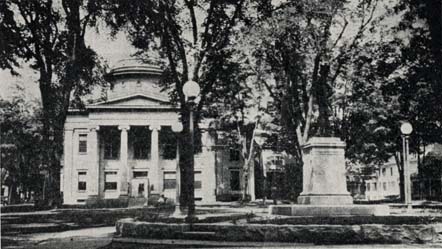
{"x":206,"y":243}
{"x":322,"y":234}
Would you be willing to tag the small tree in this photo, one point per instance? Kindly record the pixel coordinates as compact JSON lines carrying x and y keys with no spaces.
{"x":431,"y":172}
{"x":20,"y":137}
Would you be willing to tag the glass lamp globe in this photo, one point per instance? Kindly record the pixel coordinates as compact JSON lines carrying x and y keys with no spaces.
{"x":406,"y":128}
{"x":177,"y":127}
{"x":191,"y":89}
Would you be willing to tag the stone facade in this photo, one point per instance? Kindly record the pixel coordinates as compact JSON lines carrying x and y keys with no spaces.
{"x":126,"y":146}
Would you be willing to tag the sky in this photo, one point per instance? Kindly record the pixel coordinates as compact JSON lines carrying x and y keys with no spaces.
{"x":112,"y":50}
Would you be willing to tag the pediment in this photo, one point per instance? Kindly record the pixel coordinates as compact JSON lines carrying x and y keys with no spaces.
{"x":137,"y":100}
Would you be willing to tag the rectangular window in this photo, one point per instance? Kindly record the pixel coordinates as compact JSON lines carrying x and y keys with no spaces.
{"x":111,"y":140}
{"x":82,"y":143}
{"x":168,"y":143}
{"x":82,"y":181}
{"x":374,"y":186}
{"x":234,"y":155}
{"x":234,"y":180}
{"x":141,"y":149}
{"x":140,"y":174}
{"x":110,"y":180}
{"x":368,"y":187}
{"x":384,"y":170}
{"x":198,"y":180}
{"x":391,"y":171}
{"x":140,"y":137}
{"x":169,"y":180}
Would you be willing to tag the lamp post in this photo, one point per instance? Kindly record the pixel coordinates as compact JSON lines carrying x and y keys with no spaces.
{"x":191,"y":90}
{"x":406,"y":130}
{"x":178,"y":127}
{"x":259,"y":139}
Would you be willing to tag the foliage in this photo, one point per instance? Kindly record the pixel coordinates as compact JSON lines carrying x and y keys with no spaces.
{"x":431,"y":167}
{"x":371,"y":118}
{"x":20,"y":127}
{"x":396,"y":78}
{"x":192,"y":40}
{"x":50,"y":36}
{"x":300,"y":53}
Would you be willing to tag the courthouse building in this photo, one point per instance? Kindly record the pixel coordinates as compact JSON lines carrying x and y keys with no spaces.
{"x":126,"y":146}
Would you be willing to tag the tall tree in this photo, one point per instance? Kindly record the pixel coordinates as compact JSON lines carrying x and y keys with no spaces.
{"x":402,"y":80}
{"x":51,"y":37}
{"x":301,"y":51}
{"x":194,"y":42}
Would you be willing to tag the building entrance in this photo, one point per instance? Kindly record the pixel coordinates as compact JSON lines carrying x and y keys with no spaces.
{"x":139,"y":187}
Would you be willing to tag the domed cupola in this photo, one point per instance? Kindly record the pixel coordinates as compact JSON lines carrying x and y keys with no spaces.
{"x":132,"y":76}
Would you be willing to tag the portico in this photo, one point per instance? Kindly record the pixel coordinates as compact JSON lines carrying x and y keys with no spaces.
{"x":125,"y":146}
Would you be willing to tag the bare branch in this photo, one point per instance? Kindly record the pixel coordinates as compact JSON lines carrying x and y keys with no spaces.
{"x":341,"y":33}
{"x":208,"y":22}
{"x":86,"y":20}
{"x":205,"y":43}
{"x":232,"y":21}
{"x":269,"y":89}
{"x":190,"y":5}
{"x":34,"y":36}
{"x":341,"y":58}
{"x":308,"y":118}
{"x":169,"y":49}
{"x":171,"y":24}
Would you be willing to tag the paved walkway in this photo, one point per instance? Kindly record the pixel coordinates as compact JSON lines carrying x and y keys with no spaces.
{"x":101,"y":237}
{"x":82,"y":238}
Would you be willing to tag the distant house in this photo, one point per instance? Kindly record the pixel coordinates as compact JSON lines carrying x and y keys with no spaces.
{"x":385,"y":183}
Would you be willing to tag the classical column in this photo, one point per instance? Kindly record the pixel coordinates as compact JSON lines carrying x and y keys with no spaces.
{"x":208,"y":161}
{"x":68,"y":165}
{"x":94,"y":163}
{"x":154,"y":170}
{"x":123,"y":160}
{"x":251,"y":179}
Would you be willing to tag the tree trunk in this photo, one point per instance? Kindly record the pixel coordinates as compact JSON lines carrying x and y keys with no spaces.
{"x":53,"y":124}
{"x":399,"y":164}
{"x":13,"y":198}
{"x":187,"y":150}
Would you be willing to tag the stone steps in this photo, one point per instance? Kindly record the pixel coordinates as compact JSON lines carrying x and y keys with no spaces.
{"x":137,"y":202}
{"x":322,"y":234}
{"x":182,"y":243}
{"x":199,"y":235}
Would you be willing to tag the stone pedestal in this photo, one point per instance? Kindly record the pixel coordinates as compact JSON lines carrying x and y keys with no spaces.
{"x":325,"y":185}
{"x":324,"y":181}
